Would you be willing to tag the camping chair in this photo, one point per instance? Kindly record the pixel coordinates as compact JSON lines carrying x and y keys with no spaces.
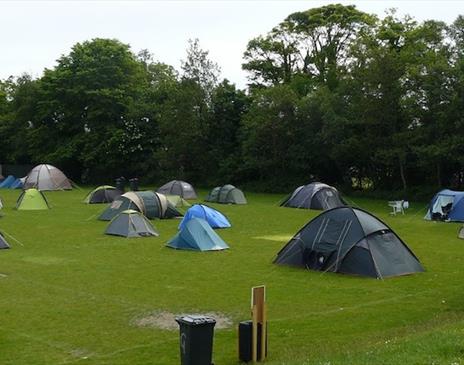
{"x":398,"y":206}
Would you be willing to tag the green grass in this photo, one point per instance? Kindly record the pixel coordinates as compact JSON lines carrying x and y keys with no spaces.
{"x":70,"y":294}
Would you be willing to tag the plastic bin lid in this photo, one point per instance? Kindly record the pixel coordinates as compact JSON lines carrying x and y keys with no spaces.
{"x":195,"y":319}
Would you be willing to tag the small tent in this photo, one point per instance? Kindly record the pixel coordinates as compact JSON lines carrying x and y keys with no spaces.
{"x":32,"y":199}
{"x":214,"y":218}
{"x":17,"y":184}
{"x":3,"y":243}
{"x":461,"y":232}
{"x":352,"y":241}
{"x":6,"y":183}
{"x":197,"y":235}
{"x":150,"y":204}
{"x":102,"y":194}
{"x":316,"y":195}
{"x":47,"y":177}
{"x":177,"y":187}
{"x":227,"y":194}
{"x":178,"y":201}
{"x":131,"y":223}
{"x":447,"y":205}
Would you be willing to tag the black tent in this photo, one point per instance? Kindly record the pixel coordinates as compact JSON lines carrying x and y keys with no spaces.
{"x":3,"y":243}
{"x":314,"y":196}
{"x":352,"y":241}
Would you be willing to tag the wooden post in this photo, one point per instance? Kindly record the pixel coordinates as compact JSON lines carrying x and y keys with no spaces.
{"x":258,"y":313}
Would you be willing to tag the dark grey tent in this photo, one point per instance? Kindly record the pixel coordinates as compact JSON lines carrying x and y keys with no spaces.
{"x":177,"y":187}
{"x":131,"y":223}
{"x":3,"y":243}
{"x":227,"y":194}
{"x":314,"y":196}
{"x":352,"y":241}
{"x":152,"y":205}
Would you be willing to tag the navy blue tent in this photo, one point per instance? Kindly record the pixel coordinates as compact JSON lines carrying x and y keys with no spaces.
{"x":7,"y":182}
{"x":214,"y":218}
{"x":447,"y":205}
{"x":17,"y":184}
{"x":197,"y":235}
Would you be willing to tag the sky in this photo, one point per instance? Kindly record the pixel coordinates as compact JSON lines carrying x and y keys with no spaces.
{"x":34,"y":34}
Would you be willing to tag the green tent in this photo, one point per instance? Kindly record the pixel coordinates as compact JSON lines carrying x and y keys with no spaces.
{"x":131,"y":223}
{"x":227,"y":194}
{"x":32,"y":199}
{"x":197,"y":235}
{"x":177,"y":201}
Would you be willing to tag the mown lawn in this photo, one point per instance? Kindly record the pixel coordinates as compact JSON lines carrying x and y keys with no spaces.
{"x":70,"y":294}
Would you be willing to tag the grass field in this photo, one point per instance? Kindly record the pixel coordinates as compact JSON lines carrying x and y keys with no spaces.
{"x":71,"y":295}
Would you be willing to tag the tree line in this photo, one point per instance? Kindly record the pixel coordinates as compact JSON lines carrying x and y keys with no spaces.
{"x":334,"y":94}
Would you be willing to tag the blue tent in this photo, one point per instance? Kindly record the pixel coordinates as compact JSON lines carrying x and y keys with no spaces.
{"x":7,"y":182}
{"x":447,"y":205}
{"x":214,"y":218}
{"x":17,"y":184}
{"x":197,"y":235}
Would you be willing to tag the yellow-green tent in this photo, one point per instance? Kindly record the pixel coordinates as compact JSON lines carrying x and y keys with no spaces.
{"x":32,"y":199}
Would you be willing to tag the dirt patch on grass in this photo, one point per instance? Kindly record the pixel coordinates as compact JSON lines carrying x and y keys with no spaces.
{"x":166,"y":320}
{"x":276,"y":237}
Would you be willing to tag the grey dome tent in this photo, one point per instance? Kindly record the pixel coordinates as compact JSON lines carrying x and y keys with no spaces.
{"x":150,"y":204}
{"x":46,"y":177}
{"x":197,"y":235}
{"x":351,"y":241}
{"x":316,"y":195}
{"x":227,"y":194}
{"x":102,"y":194}
{"x":131,"y":223}
{"x":177,"y":187}
{"x":3,"y":243}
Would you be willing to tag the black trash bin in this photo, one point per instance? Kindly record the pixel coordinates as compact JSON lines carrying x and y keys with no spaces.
{"x":196,"y":339}
{"x":120,"y":183}
{"x":134,"y":184}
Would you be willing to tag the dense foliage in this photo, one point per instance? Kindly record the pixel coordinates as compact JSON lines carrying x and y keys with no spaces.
{"x":335,"y":94}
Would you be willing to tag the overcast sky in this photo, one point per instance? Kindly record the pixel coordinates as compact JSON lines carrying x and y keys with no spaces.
{"x":34,"y":34}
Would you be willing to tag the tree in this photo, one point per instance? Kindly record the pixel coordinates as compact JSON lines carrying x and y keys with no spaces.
{"x":199,"y":68}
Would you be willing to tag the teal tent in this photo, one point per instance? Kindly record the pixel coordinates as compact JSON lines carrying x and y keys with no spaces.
{"x":197,"y":235}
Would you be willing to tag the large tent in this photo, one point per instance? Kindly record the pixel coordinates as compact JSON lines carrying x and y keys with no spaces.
{"x":197,"y":235}
{"x":177,"y":187}
{"x":214,"y":218}
{"x":227,"y":194}
{"x":131,"y":223}
{"x":32,"y":199}
{"x":47,"y":177}
{"x":152,"y":205}
{"x":447,"y":205}
{"x":3,"y":243}
{"x":102,"y":194}
{"x":352,"y":241}
{"x":314,"y":196}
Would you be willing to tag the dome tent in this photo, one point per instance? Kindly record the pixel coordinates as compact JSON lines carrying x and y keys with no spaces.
{"x":47,"y":177}
{"x":177,"y":187}
{"x":3,"y":243}
{"x":6,"y":183}
{"x":150,"y":204}
{"x":316,"y":195}
{"x":214,"y":218}
{"x":131,"y":223}
{"x":102,"y":194}
{"x":197,"y":235}
{"x":227,"y":194}
{"x":32,"y":199}
{"x":352,"y":241}
{"x":447,"y":205}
